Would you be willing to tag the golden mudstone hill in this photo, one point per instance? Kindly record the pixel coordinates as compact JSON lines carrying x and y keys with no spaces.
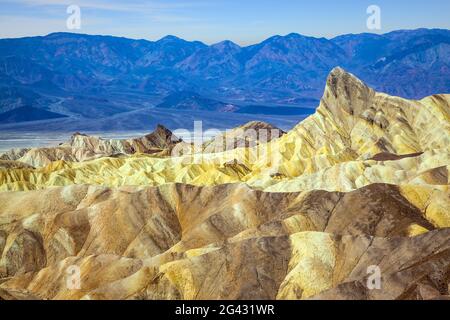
{"x":361,"y":185}
{"x":356,"y":137}
{"x":223,"y":242}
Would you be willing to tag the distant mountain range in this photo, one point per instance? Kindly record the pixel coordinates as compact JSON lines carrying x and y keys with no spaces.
{"x":88,"y":76}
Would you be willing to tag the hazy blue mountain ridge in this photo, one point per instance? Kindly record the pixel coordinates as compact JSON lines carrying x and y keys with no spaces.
{"x":58,"y":71}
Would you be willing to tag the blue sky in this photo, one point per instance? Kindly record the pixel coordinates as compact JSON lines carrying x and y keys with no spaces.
{"x":243,"y":21}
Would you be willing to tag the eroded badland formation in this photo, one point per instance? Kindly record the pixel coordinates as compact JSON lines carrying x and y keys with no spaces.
{"x":363,"y":182}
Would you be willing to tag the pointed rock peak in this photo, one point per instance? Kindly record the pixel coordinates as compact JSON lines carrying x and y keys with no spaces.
{"x":337,"y":70}
{"x":162,"y":132}
{"x":346,"y":96}
{"x":341,"y":82}
{"x":340,"y":72}
{"x":161,"y":128}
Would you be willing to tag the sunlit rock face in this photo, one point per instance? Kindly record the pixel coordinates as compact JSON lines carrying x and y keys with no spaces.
{"x":358,"y":190}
